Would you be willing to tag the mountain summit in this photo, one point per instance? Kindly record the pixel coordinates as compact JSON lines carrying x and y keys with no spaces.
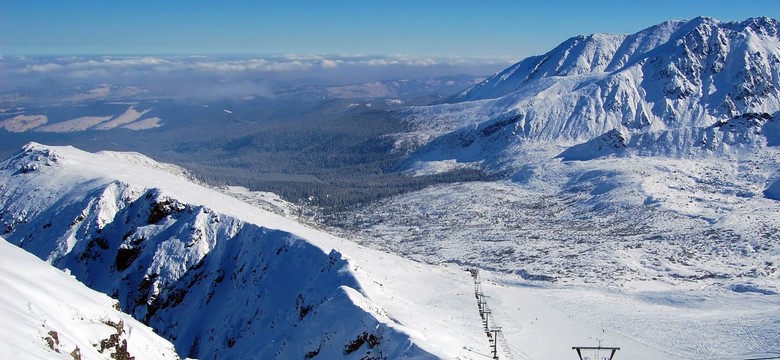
{"x":675,"y":74}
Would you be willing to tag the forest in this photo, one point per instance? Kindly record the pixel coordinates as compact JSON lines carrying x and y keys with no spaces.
{"x":330,"y":153}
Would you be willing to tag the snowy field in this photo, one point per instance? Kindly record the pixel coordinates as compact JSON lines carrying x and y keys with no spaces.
{"x":611,"y":226}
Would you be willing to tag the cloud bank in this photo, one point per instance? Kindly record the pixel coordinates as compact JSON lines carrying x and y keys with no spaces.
{"x":222,"y":76}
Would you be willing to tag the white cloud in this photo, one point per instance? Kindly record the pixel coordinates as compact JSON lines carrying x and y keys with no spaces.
{"x":79,"y":64}
{"x":400,"y":60}
{"x":259,"y":65}
{"x":134,"y":61}
{"x":329,"y":64}
{"x":245,"y":76}
{"x":41,"y":67}
{"x":379,"y":62}
{"x":127,"y":66}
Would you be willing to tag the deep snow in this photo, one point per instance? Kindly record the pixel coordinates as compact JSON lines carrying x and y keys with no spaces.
{"x":47,"y":314}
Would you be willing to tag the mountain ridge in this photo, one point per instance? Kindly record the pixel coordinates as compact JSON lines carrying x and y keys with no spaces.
{"x":182,"y":258}
{"x":604,"y":52}
{"x":679,"y":78}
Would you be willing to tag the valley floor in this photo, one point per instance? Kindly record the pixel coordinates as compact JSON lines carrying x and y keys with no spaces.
{"x":609,"y":224}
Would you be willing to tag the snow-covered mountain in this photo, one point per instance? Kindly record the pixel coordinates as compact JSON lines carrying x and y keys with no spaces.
{"x":698,"y":89}
{"x":680,"y":120}
{"x":49,"y":315}
{"x":727,"y":66}
{"x":675,"y":75}
{"x":218,"y":277}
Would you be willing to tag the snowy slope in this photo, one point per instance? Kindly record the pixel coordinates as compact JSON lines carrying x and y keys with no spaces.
{"x":221,"y":278}
{"x":49,"y":315}
{"x":755,"y":133}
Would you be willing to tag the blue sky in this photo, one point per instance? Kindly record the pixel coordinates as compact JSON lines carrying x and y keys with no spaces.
{"x":476,"y":28}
